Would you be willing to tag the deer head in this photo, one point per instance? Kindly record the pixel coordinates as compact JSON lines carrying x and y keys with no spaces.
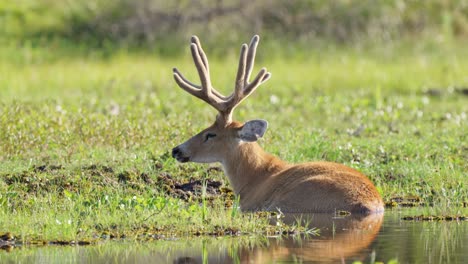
{"x":210,"y":145}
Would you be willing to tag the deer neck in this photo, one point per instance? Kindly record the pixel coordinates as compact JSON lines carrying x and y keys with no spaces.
{"x":249,"y":166}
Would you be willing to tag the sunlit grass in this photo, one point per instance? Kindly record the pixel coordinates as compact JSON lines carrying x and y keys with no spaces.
{"x":400,"y":116}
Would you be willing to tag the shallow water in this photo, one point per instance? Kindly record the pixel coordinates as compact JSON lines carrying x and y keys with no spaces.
{"x":341,"y":240}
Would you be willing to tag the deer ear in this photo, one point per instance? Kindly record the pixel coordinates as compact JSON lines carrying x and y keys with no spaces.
{"x":253,"y":130}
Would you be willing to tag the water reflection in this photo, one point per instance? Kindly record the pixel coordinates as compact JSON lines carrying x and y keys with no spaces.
{"x":341,"y":240}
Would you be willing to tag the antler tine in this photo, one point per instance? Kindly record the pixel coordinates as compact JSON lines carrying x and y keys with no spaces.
{"x":251,"y":56}
{"x":241,"y":79}
{"x":262,"y":76}
{"x":185,"y":84}
{"x":204,"y":60}
{"x":246,"y":62}
{"x":202,"y":68}
{"x":196,"y":41}
{"x":205,"y":91}
{"x":201,"y":63}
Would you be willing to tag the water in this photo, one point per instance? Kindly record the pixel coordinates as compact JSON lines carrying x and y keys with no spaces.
{"x":346,"y":240}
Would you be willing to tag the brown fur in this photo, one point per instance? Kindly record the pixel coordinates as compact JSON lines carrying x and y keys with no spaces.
{"x":264,"y":182}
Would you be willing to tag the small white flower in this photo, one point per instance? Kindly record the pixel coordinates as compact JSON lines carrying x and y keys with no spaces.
{"x":114,"y":109}
{"x":425,"y":100}
{"x":274,"y":99}
{"x":463,"y":115}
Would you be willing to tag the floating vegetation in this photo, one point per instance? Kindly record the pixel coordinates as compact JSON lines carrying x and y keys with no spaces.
{"x":435,"y":218}
{"x":342,"y":213}
{"x":408,"y":201}
{"x":8,"y":242}
{"x":412,"y":201}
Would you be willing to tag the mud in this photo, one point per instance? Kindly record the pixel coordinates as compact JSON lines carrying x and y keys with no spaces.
{"x":45,"y":178}
{"x":195,"y":189}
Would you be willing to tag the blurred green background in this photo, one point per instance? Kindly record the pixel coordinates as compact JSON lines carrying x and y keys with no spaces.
{"x":103,"y":26}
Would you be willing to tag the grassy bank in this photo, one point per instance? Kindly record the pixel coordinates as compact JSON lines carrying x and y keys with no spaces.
{"x":85,"y":142}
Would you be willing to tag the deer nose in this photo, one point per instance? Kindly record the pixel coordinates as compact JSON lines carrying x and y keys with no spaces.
{"x":175,"y":152}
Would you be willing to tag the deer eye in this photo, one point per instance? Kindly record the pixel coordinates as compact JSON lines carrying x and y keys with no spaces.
{"x":209,"y":135}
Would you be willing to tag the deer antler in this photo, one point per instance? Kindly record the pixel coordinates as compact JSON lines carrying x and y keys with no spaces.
{"x":243,"y":88}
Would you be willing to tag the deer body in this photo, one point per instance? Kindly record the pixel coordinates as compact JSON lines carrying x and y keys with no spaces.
{"x":263,"y":181}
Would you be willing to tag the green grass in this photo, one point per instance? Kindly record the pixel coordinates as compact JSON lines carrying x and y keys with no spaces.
{"x":367,"y":108}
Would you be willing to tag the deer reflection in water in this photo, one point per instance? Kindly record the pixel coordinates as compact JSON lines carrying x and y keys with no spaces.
{"x":341,"y":239}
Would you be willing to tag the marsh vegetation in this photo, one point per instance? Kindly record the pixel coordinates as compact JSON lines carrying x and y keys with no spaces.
{"x":86,"y":129}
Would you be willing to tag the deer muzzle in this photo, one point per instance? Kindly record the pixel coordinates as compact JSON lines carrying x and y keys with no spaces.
{"x":179,"y":155}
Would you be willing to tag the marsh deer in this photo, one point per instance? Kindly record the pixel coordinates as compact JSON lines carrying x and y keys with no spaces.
{"x":263,"y":181}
